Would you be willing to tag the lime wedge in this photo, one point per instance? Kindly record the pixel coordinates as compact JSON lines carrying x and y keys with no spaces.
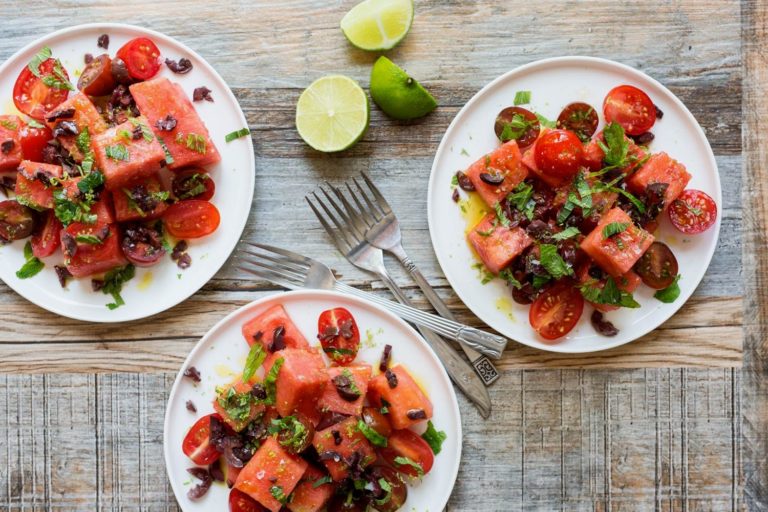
{"x":397,"y":94}
{"x":332,"y":113}
{"x":378,"y":24}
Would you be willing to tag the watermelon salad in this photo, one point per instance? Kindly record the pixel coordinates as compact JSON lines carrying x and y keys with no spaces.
{"x":109,"y":174}
{"x":571,"y":212}
{"x":294,"y":433}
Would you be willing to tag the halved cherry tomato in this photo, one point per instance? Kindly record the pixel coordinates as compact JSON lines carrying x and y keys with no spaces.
{"x":33,"y":140}
{"x":559,"y":153}
{"x":405,"y":448}
{"x":398,"y":491}
{"x":377,"y":421}
{"x":693,"y":212}
{"x":631,"y":108}
{"x":97,"y":79}
{"x":142,"y":245}
{"x":519,"y":124}
{"x":241,"y":502}
{"x":556,"y":311}
{"x":141,"y":57}
{"x":342,"y":503}
{"x":16,"y":221}
{"x":32,"y":96}
{"x":657,"y":267}
{"x":193,"y":183}
{"x":45,"y":239}
{"x":191,"y":219}
{"x":339,"y":335}
{"x":580,"y":118}
{"x":197,"y":444}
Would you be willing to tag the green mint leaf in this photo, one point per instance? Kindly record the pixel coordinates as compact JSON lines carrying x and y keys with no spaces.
{"x":614,"y":228}
{"x":670,"y":293}
{"x":271,"y":379}
{"x":508,"y":276}
{"x":242,"y":132}
{"x":43,"y":55}
{"x":543,"y":121}
{"x":168,"y":158}
{"x":9,"y":125}
{"x":566,"y":233}
{"x":522,"y":97}
{"x":117,"y":152}
{"x":88,"y":239}
{"x":616,"y":145}
{"x":277,"y":492}
{"x":255,"y":358}
{"x":374,"y":437}
{"x":553,"y":262}
{"x":405,"y":461}
{"x":30,"y":268}
{"x":434,"y":437}
{"x":146,"y":133}
{"x":500,"y":215}
{"x":35,"y":124}
{"x":193,"y":141}
{"x":322,"y":481}
{"x":28,"y":254}
{"x":113,"y":283}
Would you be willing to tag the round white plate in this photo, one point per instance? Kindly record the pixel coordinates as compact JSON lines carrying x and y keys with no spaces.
{"x":554,"y":83}
{"x":221,"y":354}
{"x":163,"y":286}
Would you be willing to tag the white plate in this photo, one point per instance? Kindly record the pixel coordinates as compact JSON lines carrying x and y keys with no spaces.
{"x":554,"y":83}
{"x":222,"y":352}
{"x":163,"y":286}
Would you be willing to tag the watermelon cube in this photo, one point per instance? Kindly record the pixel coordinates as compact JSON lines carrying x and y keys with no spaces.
{"x":229,"y":397}
{"x":123,"y":157}
{"x":618,"y":253}
{"x":272,"y":471}
{"x":627,"y":282}
{"x":308,"y":496}
{"x":83,"y":114}
{"x":300,"y":382}
{"x":146,"y":193}
{"x":337,"y":449}
{"x":188,"y":142}
{"x":406,"y":402}
{"x":594,"y":154}
{"x":505,"y":161}
{"x":529,"y":160}
{"x":497,"y":245}
{"x":102,"y":208}
{"x":332,"y":401}
{"x":33,"y":184}
{"x":10,"y":143}
{"x":661,"y":168}
{"x":263,"y":327}
{"x":90,"y":259}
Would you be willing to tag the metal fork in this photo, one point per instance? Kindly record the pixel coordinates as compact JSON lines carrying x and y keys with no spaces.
{"x":350,"y":240}
{"x":382,"y":229}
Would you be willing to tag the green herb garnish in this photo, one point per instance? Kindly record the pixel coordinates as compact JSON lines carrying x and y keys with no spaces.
{"x":434,"y":437}
{"x":145,"y":131}
{"x":553,"y":262}
{"x":10,"y":125}
{"x":500,"y":215}
{"x":256,"y":356}
{"x":543,"y":121}
{"x":566,"y":233}
{"x":614,"y":228}
{"x":522,"y":97}
{"x":326,"y":479}
{"x":168,"y":158}
{"x":32,"y":266}
{"x":271,"y":379}
{"x":293,"y":433}
{"x":508,"y":276}
{"x":236,"y":405}
{"x":58,"y":79}
{"x":277,"y":492}
{"x":405,"y":461}
{"x":515,"y":128}
{"x":610,"y":294}
{"x":88,"y":239}
{"x":43,"y":55}
{"x":374,"y":437}
{"x":616,"y":145}
{"x":117,"y":152}
{"x":35,"y":124}
{"x":522,"y":199}
{"x":670,"y":293}
{"x":113,"y":284}
{"x":193,"y":141}
{"x":242,"y":132}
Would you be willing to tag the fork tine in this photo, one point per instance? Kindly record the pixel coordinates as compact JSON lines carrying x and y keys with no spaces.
{"x":291,"y":256}
{"x":375,"y":211}
{"x":272,"y":278}
{"x":353,"y":233}
{"x":274,"y":264}
{"x":357,"y":215}
{"x":369,"y":219}
{"x":383,"y":204}
{"x":340,"y":242}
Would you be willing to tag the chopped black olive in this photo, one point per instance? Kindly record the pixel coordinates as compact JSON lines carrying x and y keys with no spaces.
{"x":202,"y":93}
{"x":278,"y":339}
{"x":346,"y":388}
{"x":191,"y":406}
{"x":181,"y":67}
{"x":385,"y":356}
{"x":192,"y":373}
{"x":416,"y":414}
{"x":167,"y":124}
{"x":103,"y":41}
{"x":7,"y":146}
{"x":391,"y":379}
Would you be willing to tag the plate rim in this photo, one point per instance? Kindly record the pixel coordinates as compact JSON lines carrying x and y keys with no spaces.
{"x":75,"y":312}
{"x":324,"y":295}
{"x":543,"y":63}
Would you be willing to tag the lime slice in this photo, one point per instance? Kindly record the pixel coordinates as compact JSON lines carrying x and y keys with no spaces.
{"x":332,"y":113}
{"x":378,"y":24}
{"x":397,"y":94}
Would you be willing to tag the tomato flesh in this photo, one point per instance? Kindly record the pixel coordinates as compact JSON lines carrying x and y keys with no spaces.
{"x":519,"y":124}
{"x":559,"y":153}
{"x":141,"y":57}
{"x":32,"y":97}
{"x":407,"y":444}
{"x":196,"y":444}
{"x":657,"y":267}
{"x":556,"y":311}
{"x":46,"y":238}
{"x":96,"y":79}
{"x":398,"y":493}
{"x":693,"y":212}
{"x":631,"y":108}
{"x":339,"y":335}
{"x":241,"y":502}
{"x":580,"y":118}
{"x":33,"y":140}
{"x":193,"y":183}
{"x":191,"y":219}
{"x":377,"y":421}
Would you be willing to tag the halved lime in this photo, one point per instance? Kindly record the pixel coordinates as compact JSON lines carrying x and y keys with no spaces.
{"x":378,"y":24}
{"x":332,"y":113}
{"x":397,"y":94}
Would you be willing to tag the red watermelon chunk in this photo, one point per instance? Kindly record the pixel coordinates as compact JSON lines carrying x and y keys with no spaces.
{"x":228,"y":396}
{"x":616,"y":254}
{"x":308,"y":496}
{"x":127,"y":209}
{"x":497,"y":245}
{"x":661,"y":168}
{"x":102,"y":208}
{"x":332,"y":400}
{"x":31,"y":190}
{"x":270,"y":471}
{"x":300,"y":382}
{"x":594,"y":154}
{"x":188,"y":143}
{"x":627,"y":282}
{"x":130,"y":159}
{"x":10,"y":145}
{"x":264,"y":325}
{"x":85,"y":116}
{"x":506,"y":161}
{"x":405,"y":397}
{"x":90,"y":259}
{"x":335,"y":456}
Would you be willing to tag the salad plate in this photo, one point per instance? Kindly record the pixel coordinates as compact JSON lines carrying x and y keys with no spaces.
{"x":160,"y":287}
{"x":220,"y":358}
{"x":546,"y":87}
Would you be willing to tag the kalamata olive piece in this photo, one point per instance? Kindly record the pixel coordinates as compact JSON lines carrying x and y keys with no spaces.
{"x":602,"y":325}
{"x":16,"y":221}
{"x":142,"y":246}
{"x":339,"y":503}
{"x":120,"y":72}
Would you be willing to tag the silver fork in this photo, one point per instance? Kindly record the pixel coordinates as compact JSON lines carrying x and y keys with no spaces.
{"x":350,"y":240}
{"x":382,"y":229}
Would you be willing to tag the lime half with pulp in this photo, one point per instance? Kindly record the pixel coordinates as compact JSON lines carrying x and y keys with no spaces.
{"x":397,"y":94}
{"x":378,"y":24}
{"x":332,"y":113}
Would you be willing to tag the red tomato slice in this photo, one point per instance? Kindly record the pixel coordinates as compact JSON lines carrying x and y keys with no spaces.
{"x":631,"y":108}
{"x":693,"y":212}
{"x":33,"y":141}
{"x":193,"y":183}
{"x":519,"y":124}
{"x":657,"y":267}
{"x":580,"y":118}
{"x":191,"y":219}
{"x":46,"y":238}
{"x":407,"y":447}
{"x":555,"y":312}
{"x":241,"y":502}
{"x":32,"y":96}
{"x":196,"y":443}
{"x":559,"y":153}
{"x":141,"y":57}
{"x":96,"y":79}
{"x":339,"y":335}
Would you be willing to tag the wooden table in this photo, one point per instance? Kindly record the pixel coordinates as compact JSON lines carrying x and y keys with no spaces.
{"x":673,"y":422}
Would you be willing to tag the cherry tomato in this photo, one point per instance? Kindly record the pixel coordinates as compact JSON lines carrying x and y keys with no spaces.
{"x":580,"y":118}
{"x":693,"y":212}
{"x":191,"y":219}
{"x":193,"y":183}
{"x":339,"y":335}
{"x":196,"y":443}
{"x":45,"y":239}
{"x":559,"y":153}
{"x":16,"y":221}
{"x":142,"y":246}
{"x":377,"y":421}
{"x":406,"y":444}
{"x":141,"y":57}
{"x":555,"y":312}
{"x":657,"y":267}
{"x":33,"y":141}
{"x":631,"y":108}
{"x":32,"y":96}
{"x":519,"y":124}
{"x":398,"y":493}
{"x":96,"y":79}
{"x":241,"y":502}
{"x":340,"y":503}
